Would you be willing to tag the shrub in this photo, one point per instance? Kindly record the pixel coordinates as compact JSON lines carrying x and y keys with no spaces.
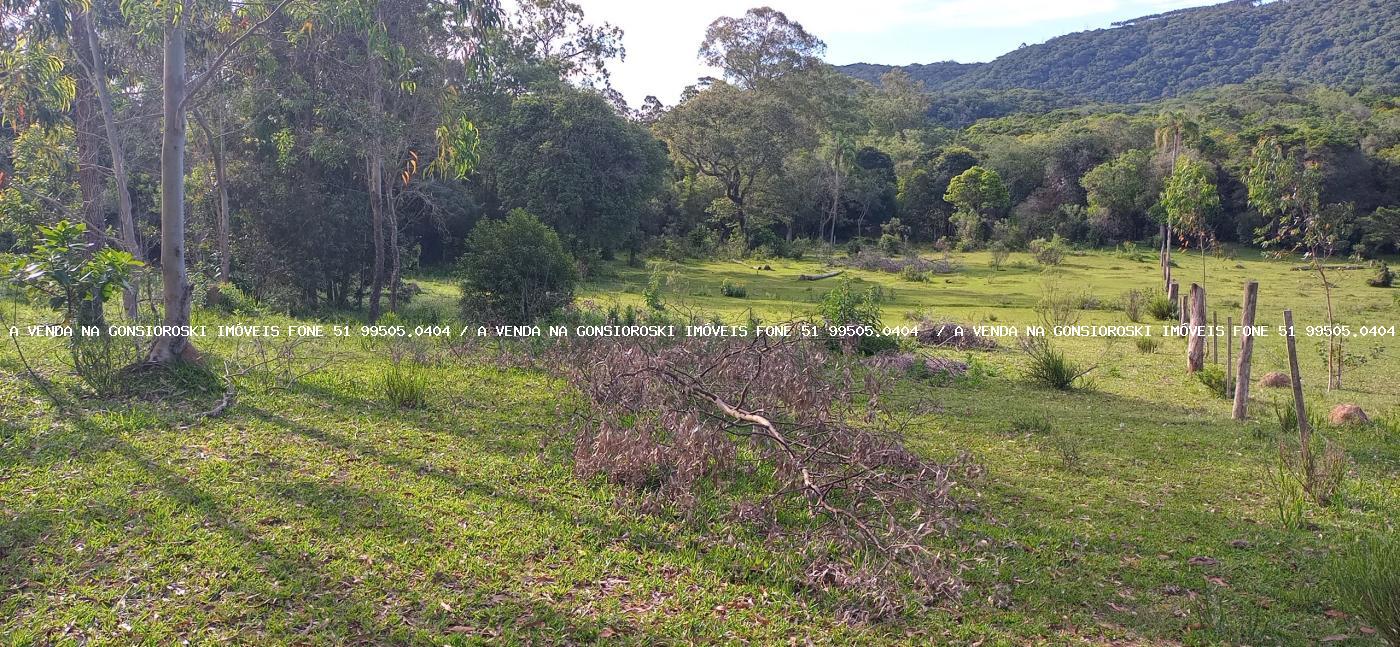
{"x":1000,"y":252}
{"x":1049,"y":366}
{"x":913,"y":274}
{"x":1134,"y":303}
{"x":846,"y":306}
{"x":1367,"y":580}
{"x":405,"y":385}
{"x":68,"y":277}
{"x":1162,"y":308}
{"x":1383,"y":279}
{"x":1049,"y":252}
{"x":1213,"y":377}
{"x":515,"y":271}
{"x":890,"y":244}
{"x":652,"y":293}
{"x":1148,"y":345}
{"x":733,"y":290}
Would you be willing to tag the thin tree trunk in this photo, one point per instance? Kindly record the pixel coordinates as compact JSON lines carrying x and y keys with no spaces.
{"x":176,"y":290}
{"x":374,"y":163}
{"x":222,"y":217}
{"x":126,"y":222}
{"x":1299,"y":408}
{"x":392,"y":223}
{"x":1334,"y":342}
{"x":85,"y":127}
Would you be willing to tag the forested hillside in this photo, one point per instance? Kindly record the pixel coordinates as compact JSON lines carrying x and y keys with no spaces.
{"x":1343,"y":43}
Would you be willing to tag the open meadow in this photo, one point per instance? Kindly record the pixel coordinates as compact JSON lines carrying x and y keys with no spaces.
{"x":315,"y":511}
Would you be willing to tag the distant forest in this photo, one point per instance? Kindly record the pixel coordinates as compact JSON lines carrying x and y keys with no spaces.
{"x":1348,"y":44}
{"x":338,"y":150}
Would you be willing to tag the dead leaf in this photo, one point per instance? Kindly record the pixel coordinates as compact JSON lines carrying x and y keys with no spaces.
{"x":1201,"y":560}
{"x":1334,"y":613}
{"x":1335,"y":638}
{"x":607,"y":632}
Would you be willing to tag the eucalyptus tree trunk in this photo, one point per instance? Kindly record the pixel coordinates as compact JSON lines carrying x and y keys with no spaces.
{"x":215,"y":139}
{"x":391,"y":213}
{"x":125,"y":220}
{"x":176,"y":290}
{"x":374,"y":171}
{"x":85,"y":130}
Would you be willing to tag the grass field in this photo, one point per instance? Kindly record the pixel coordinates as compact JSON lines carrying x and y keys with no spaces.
{"x":314,"y":512}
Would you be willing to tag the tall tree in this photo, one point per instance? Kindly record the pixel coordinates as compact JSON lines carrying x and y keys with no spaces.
{"x":1188,"y":198}
{"x":759,"y":47}
{"x":1287,"y":191}
{"x":734,"y":135}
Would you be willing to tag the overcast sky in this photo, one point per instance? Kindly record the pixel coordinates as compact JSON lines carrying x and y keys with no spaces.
{"x":662,"y":36}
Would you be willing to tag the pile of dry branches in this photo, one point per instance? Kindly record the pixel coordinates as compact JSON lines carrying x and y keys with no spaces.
{"x":663,"y":417}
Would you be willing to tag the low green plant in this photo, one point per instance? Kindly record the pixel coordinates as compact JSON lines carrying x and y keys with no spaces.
{"x":1051,"y":252}
{"x":1286,"y":491}
{"x":652,"y":293}
{"x":913,"y":274}
{"x":405,"y":385}
{"x":733,"y":290}
{"x":1069,"y":448}
{"x":1383,"y":279}
{"x":1134,"y":302}
{"x":1162,"y":308}
{"x":1049,"y":366}
{"x":1367,"y":581}
{"x":1148,"y":345}
{"x":1213,"y":378}
{"x":1035,"y":425}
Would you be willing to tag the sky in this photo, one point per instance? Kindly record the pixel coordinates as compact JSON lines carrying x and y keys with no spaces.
{"x":662,"y":36}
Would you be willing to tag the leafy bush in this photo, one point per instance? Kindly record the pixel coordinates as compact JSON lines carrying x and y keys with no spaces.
{"x":1049,"y":252}
{"x":1383,"y":279}
{"x":1213,"y":377}
{"x":1161,"y":308}
{"x":515,"y":271}
{"x":71,"y":278}
{"x":1367,"y":580}
{"x":652,"y":293}
{"x":405,"y":385}
{"x":846,"y":306}
{"x":733,"y":290}
{"x":913,"y":274}
{"x":1148,"y":345}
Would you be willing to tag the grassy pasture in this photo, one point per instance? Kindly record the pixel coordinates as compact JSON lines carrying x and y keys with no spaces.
{"x":1132,"y":513}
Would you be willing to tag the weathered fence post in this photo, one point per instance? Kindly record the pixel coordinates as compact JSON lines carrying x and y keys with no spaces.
{"x":1299,"y":407}
{"x":1251,"y":295}
{"x":1195,"y":337}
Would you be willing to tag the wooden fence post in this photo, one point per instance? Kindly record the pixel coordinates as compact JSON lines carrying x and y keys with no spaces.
{"x":1299,"y":407}
{"x":1251,"y":296}
{"x":1195,"y":336}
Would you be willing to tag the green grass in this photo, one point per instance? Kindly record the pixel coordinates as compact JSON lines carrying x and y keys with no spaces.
{"x":321,"y":514}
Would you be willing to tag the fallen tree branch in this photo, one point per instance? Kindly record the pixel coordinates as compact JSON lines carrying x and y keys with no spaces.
{"x":818,"y":277}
